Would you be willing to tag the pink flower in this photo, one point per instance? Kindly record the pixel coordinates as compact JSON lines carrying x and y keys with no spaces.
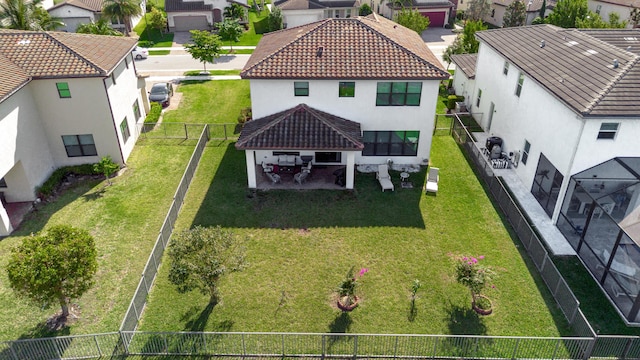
{"x":363,"y":271}
{"x":474,"y":260}
{"x":481,"y":257}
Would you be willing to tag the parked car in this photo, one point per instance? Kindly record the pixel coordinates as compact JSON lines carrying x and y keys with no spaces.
{"x":139,"y":53}
{"x":161,"y":93}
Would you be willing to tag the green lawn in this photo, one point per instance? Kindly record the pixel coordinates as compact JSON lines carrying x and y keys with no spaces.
{"x":212,"y":72}
{"x":123,"y":218}
{"x":147,"y":34}
{"x":249,"y":37}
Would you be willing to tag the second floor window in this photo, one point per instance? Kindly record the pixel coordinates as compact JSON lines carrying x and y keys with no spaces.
{"x":479,"y":97}
{"x":398,"y":94}
{"x":519,"y":86}
{"x":301,"y":88}
{"x":525,"y":152}
{"x":505,"y":70}
{"x":608,"y":131}
{"x":347,"y":89}
{"x":63,"y":90}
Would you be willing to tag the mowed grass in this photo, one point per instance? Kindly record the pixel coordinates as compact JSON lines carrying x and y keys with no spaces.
{"x":123,"y":218}
{"x":300,"y":244}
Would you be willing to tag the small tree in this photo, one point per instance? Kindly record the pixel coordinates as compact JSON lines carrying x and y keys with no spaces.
{"x":206,"y":46}
{"x":234,"y":11}
{"x":157,"y":20}
{"x":122,"y":10}
{"x":412,"y":19}
{"x":55,"y":265}
{"x":567,"y":12}
{"x":595,"y":21}
{"x":107,"y":167}
{"x":477,"y":10}
{"x":464,"y":43}
{"x":543,"y":9}
{"x":275,"y":20}
{"x":201,"y":256}
{"x":515,"y":14}
{"x":365,"y":10}
{"x":231,"y":30}
{"x":101,"y":27}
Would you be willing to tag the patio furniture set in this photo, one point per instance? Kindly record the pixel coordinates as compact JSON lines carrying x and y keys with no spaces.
{"x":386,"y":184}
{"x":300,"y":166}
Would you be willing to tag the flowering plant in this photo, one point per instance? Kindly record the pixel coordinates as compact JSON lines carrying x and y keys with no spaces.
{"x":348,"y":286}
{"x":472,"y":274}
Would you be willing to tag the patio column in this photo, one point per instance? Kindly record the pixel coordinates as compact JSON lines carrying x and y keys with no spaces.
{"x":251,"y":168}
{"x":351,"y":157}
{"x":5,"y":224}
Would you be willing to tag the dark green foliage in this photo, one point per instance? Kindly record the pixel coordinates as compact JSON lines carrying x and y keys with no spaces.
{"x":101,"y":27}
{"x":234,"y":11}
{"x":465,"y":43}
{"x":515,"y":14}
{"x":412,"y":19}
{"x":47,"y":188}
{"x":262,"y":26}
{"x":230,"y":30}
{"x":107,"y":167}
{"x":451,"y":102}
{"x":146,"y":43}
{"x":537,"y":21}
{"x":55,"y":265}
{"x":365,"y":10}
{"x":206,"y":46}
{"x":275,"y":20}
{"x":543,"y":9}
{"x":567,"y":12}
{"x":154,"y":114}
{"x":477,"y":10}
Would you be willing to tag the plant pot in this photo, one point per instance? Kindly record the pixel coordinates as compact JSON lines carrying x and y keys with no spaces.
{"x":345,"y":307}
{"x":479,"y":305}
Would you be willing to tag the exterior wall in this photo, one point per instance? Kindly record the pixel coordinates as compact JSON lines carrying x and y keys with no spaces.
{"x":25,"y":159}
{"x":608,"y":8}
{"x":462,"y":5}
{"x":73,"y":16}
{"x":323,"y":95}
{"x":86,"y":112}
{"x":498,"y":14}
{"x":122,"y":96}
{"x":464,"y":87}
{"x":170,"y":16}
{"x":293,"y":18}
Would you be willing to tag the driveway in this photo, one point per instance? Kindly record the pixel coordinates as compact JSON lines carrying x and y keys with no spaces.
{"x":181,"y":37}
{"x":438,"y":39}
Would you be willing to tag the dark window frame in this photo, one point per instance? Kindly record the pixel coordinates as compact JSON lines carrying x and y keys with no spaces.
{"x":63,"y":90}
{"x":479,"y":98}
{"x":608,"y":134}
{"x":124,"y":130}
{"x":525,"y":152}
{"x":505,"y":69}
{"x":519,"y":85}
{"x":398,"y":93}
{"x":136,"y":110}
{"x":301,"y":88}
{"x":81,"y":147}
{"x":347,"y":89}
{"x":383,"y":143}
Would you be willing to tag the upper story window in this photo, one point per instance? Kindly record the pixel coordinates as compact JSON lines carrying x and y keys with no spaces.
{"x":479,"y":98}
{"x":136,"y":110}
{"x":347,"y":89}
{"x":398,"y":94}
{"x":63,"y":90}
{"x":505,"y":69}
{"x":608,"y":130}
{"x":385,"y":143}
{"x":124,"y":130}
{"x":519,"y":86}
{"x":301,"y":88}
{"x":79,"y":145}
{"x":113,"y":78}
{"x":525,"y":152}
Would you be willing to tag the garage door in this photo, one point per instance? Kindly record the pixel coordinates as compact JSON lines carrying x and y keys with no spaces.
{"x":436,"y":18}
{"x":186,"y":23}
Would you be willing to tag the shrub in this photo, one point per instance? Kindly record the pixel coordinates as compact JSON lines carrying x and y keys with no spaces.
{"x":59,"y":175}
{"x":245,"y":115}
{"x":145,"y":43}
{"x":261,"y":26}
{"x":451,"y":102}
{"x":154,"y":114}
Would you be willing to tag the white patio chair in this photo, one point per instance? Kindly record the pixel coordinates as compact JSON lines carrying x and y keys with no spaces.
{"x":384,"y":178}
{"x":432,"y":180}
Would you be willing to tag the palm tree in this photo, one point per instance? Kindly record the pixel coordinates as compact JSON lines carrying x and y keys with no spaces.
{"x":26,"y":15}
{"x":101,"y":27}
{"x":122,"y":10}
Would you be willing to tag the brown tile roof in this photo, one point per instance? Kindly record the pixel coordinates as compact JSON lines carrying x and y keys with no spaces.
{"x":298,"y":5}
{"x":13,"y":77}
{"x":180,"y":5}
{"x":466,"y":63}
{"x":369,"y":47}
{"x":301,"y":127}
{"x":91,"y":5}
{"x":58,"y":54}
{"x":626,"y":39}
{"x":575,"y":67}
{"x":421,"y":4}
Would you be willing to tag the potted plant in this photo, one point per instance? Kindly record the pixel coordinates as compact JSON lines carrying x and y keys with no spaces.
{"x":475,"y":276}
{"x":347,"y":298}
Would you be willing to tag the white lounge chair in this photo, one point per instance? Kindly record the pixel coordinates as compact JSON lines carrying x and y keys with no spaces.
{"x":432,"y":180}
{"x":384,"y":178}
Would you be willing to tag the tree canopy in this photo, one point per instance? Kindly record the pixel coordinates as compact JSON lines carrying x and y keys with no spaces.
{"x":230,"y":30}
{"x":275,"y":20}
{"x":101,"y":27}
{"x":595,"y":21}
{"x":27,"y":15}
{"x":122,"y":10}
{"x":234,"y":11}
{"x":567,"y":12}
{"x":515,"y":14}
{"x":465,"y":42}
{"x":206,"y":46}
{"x":201,"y":256}
{"x":364,"y":10}
{"x":157,"y":19}
{"x":412,"y":19}
{"x":477,"y":10}
{"x":55,"y":265}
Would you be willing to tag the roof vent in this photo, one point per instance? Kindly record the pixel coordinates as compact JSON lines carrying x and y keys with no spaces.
{"x":629,"y":48}
{"x":542,"y":44}
{"x":615,"y":63}
{"x":319,"y":51}
{"x":24,"y":42}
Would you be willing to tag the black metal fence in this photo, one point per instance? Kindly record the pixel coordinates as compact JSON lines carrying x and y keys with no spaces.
{"x":165,"y":130}
{"x":131,"y":318}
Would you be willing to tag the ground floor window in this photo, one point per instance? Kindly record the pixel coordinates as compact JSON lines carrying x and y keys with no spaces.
{"x":328,"y":157}
{"x":546,"y":184}
{"x":385,"y":143}
{"x":124,"y":129}
{"x":79,"y":145}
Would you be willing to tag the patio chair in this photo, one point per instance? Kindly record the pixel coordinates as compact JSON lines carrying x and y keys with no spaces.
{"x":606,"y":208}
{"x":432,"y":180}
{"x":267,"y":168}
{"x":301,"y":177}
{"x":384,"y":178}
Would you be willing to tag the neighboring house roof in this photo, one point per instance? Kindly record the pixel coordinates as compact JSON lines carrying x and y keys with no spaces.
{"x":466,"y":63}
{"x":301,"y":127}
{"x":38,"y":55}
{"x":531,"y":5}
{"x":626,"y":39}
{"x":319,"y":4}
{"x":575,"y":67}
{"x":91,"y":5}
{"x":347,"y":48}
{"x":625,"y":3}
{"x":420,"y":4}
{"x":180,"y":5}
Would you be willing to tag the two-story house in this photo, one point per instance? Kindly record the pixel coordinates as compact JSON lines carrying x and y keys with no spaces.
{"x":77,"y":12}
{"x":623,"y":8}
{"x":65,"y":99}
{"x":185,"y":15}
{"x":566,"y":105}
{"x":301,"y":12}
{"x":351,"y":91}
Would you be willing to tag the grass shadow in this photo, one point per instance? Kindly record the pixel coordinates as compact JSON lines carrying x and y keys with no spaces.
{"x":341,"y":323}
{"x":95,"y":195}
{"x":413,"y":311}
{"x":228,"y":200}
{"x":200,"y":322}
{"x":40,"y":350}
{"x":464,"y":321}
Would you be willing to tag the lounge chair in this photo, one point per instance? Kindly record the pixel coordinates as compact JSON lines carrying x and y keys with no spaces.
{"x":432,"y":180}
{"x":384,"y":178}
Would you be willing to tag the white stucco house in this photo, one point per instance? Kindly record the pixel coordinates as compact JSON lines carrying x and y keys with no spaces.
{"x":566,"y":105}
{"x":439,"y":12}
{"x":185,"y":15}
{"x":498,"y":8}
{"x":65,"y":99}
{"x":302,"y":12}
{"x":342,"y":91}
{"x":620,"y":7}
{"x":77,"y":12}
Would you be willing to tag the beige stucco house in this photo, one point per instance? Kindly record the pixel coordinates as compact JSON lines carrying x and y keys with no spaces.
{"x":65,"y":99}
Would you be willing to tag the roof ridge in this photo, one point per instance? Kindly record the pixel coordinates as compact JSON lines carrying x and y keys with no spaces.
{"x":277,"y":51}
{"x":612,"y":83}
{"x":75,"y":53}
{"x":325,"y":121}
{"x":282,"y":115}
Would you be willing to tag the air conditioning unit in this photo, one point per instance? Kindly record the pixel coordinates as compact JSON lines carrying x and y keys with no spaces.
{"x":461,"y":107}
{"x":516,"y":158}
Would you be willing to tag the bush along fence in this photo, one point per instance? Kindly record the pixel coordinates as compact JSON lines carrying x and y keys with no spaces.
{"x":131,"y":318}
{"x":164,"y":130}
